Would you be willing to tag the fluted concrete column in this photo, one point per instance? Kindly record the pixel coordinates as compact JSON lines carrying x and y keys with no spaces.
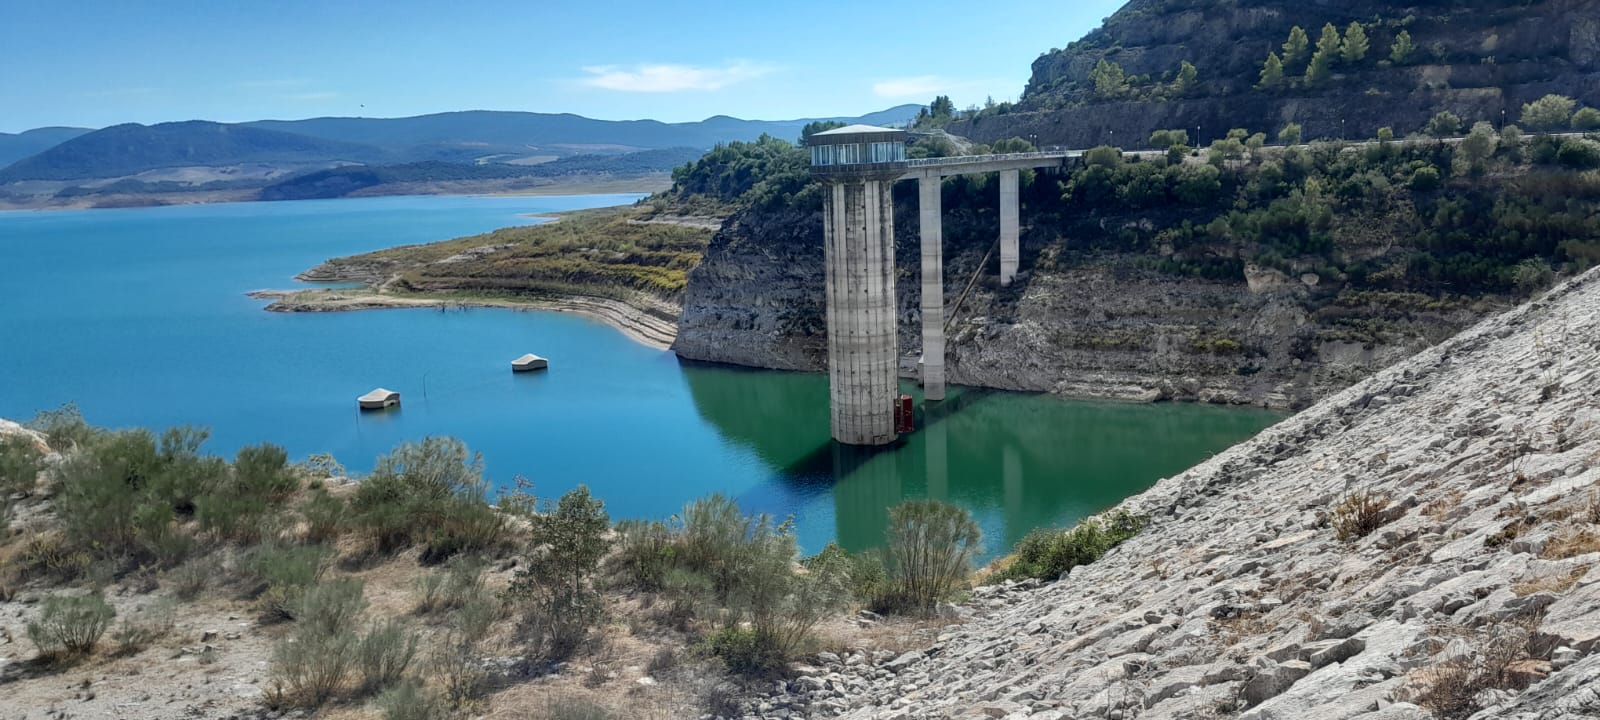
{"x":1009,"y":212}
{"x":863,"y":367}
{"x":932,"y":212}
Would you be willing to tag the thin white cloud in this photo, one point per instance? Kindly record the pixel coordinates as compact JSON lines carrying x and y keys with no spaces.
{"x":662,"y":78}
{"x":919,"y":86}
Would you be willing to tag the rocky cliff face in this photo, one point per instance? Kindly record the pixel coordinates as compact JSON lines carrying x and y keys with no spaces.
{"x":1101,"y":329}
{"x":1471,"y":589}
{"x":1475,"y":58}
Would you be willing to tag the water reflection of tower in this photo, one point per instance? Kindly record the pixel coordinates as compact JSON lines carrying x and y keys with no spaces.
{"x":867,"y":483}
{"x":935,"y":438}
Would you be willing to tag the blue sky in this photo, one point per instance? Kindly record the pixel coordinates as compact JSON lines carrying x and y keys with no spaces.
{"x":92,"y":64}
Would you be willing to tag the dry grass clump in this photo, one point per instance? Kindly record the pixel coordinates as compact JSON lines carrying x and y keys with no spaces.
{"x":1571,"y":543}
{"x":1556,"y":582}
{"x":1453,"y":688}
{"x":1358,"y":514}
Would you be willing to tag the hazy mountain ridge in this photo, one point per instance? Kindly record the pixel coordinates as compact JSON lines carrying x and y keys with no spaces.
{"x":457,"y":137}
{"x":123,"y":150}
{"x":16,"y":146}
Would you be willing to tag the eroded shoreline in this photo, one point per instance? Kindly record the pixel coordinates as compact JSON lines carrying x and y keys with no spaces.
{"x":651,"y":327}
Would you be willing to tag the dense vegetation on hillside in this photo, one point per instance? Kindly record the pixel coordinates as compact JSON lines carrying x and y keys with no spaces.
{"x":1493,"y":212}
{"x":597,"y":253}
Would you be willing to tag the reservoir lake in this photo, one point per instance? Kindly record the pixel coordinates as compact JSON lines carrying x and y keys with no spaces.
{"x":140,"y":317}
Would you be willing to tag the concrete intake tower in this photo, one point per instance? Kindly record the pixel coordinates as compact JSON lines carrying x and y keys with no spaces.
{"x":860,"y":165}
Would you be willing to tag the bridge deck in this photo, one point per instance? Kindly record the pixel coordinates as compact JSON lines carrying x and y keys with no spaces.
{"x":986,"y":163}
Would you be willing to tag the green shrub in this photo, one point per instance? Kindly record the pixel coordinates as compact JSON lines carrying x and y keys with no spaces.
{"x":866,"y":576}
{"x":644,"y":554}
{"x":384,"y":654}
{"x":324,"y":515}
{"x":458,"y":665}
{"x":464,"y":524}
{"x":63,"y":427}
{"x":263,"y":471}
{"x":431,"y":491}
{"x":70,"y":624}
{"x":1579,"y":154}
{"x":1049,"y":553}
{"x":1586,"y":119}
{"x":310,"y":664}
{"x":408,"y":700}
{"x":931,"y":547}
{"x":459,"y":583}
{"x":20,"y":464}
{"x":560,"y":603}
{"x":1425,"y":179}
{"x":1444,"y":124}
{"x":329,"y":607}
{"x":713,"y":533}
{"x":99,"y":491}
{"x":146,"y":627}
{"x":243,"y":519}
{"x":745,"y":652}
{"x":309,"y":668}
{"x":190,"y":579}
{"x":284,"y":572}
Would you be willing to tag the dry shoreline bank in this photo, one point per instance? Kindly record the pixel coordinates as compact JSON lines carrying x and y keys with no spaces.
{"x":652,"y":324}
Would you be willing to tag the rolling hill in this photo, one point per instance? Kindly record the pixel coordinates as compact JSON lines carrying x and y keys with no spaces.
{"x":129,"y":149}
{"x":470,"y":137}
{"x":14,"y":147}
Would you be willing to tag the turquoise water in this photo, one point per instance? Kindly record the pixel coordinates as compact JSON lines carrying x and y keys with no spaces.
{"x":140,"y":317}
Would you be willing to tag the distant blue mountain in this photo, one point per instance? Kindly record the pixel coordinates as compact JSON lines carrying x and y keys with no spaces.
{"x":14,"y":147}
{"x":472,"y":137}
{"x":123,"y":150}
{"x":474,"y":134}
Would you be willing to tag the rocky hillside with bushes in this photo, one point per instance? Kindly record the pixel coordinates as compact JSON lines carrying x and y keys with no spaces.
{"x":1241,"y":273}
{"x":1424,"y":544}
{"x":1341,"y":70}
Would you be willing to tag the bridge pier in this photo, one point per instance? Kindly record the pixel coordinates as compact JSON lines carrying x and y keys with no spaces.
{"x":1009,"y":220}
{"x":863,"y":357}
{"x":860,"y":164}
{"x":930,"y":207}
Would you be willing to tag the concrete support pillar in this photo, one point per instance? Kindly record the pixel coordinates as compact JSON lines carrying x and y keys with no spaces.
{"x":932,"y":217}
{"x":863,"y":365}
{"x":1009,"y":212}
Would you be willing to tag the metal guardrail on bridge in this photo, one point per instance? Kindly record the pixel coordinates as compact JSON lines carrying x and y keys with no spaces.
{"x":976,"y":159}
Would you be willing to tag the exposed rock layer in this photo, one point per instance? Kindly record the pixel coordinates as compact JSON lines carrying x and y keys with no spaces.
{"x":1475,"y":58}
{"x":1099,"y":329}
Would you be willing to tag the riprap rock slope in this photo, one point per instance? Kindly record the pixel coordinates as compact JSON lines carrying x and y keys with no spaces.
{"x":1240,"y":601}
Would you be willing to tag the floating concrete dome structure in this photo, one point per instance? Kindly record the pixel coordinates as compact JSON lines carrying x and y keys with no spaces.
{"x":860,"y":163}
{"x":529,"y":363}
{"x":378,"y":399}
